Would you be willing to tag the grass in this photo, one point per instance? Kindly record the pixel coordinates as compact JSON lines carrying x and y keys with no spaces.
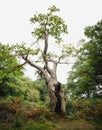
{"x":61,"y":123}
{"x":32,"y":117}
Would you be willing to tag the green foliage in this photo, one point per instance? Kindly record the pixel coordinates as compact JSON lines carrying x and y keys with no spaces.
{"x":39,"y":126}
{"x":29,"y":91}
{"x":84,"y":108}
{"x":18,"y":115}
{"x":40,"y":85}
{"x":16,"y":111}
{"x":86,"y":76}
{"x":8,"y":73}
{"x":12,"y":82}
{"x":95,"y":49}
{"x":8,"y":62}
{"x":52,"y":24}
{"x":22,"y":49}
{"x":53,"y":9}
{"x":18,"y":123}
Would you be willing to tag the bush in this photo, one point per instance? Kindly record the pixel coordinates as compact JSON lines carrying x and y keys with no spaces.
{"x":16,"y":107}
{"x":85,"y":108}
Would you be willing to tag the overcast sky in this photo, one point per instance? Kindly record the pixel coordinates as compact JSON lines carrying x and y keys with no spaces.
{"x":15,"y":14}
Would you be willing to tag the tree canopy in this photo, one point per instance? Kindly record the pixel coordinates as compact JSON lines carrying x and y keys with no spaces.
{"x":86,"y":77}
{"x":12,"y":80}
{"x":9,"y":73}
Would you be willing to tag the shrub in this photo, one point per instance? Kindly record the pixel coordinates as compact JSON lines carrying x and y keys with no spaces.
{"x":84,"y":108}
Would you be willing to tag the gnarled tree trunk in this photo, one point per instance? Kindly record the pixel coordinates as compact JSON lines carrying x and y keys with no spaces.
{"x":57,"y":96}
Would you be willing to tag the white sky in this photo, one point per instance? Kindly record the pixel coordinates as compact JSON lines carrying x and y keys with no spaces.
{"x":15,"y":26}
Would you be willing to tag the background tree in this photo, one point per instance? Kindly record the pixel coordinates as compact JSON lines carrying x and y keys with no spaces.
{"x":12,"y":80}
{"x":40,"y":85}
{"x":28,"y":89}
{"x":9,"y":75}
{"x":86,"y":77}
{"x":40,"y":55}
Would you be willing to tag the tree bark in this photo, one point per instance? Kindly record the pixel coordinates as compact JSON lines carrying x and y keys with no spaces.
{"x":57,"y":96}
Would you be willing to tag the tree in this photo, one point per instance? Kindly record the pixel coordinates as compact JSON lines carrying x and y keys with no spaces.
{"x":40,"y":85}
{"x":8,"y":72}
{"x":94,"y":33}
{"x":86,"y":77}
{"x":29,"y":89}
{"x":40,"y":56}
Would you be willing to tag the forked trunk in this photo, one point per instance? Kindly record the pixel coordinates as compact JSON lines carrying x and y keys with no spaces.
{"x":57,"y":96}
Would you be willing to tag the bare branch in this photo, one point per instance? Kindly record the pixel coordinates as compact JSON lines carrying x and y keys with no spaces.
{"x":16,"y":67}
{"x":45,"y":54}
{"x":37,"y":67}
{"x":19,"y":66}
{"x":35,"y":42}
{"x":58,"y":62}
{"x":46,"y":44}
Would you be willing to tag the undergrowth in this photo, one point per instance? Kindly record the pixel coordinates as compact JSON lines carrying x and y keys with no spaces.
{"x":17,"y":114}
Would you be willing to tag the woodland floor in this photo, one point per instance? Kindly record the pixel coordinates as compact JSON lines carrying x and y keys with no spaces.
{"x":18,"y":116}
{"x":60,"y":123}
